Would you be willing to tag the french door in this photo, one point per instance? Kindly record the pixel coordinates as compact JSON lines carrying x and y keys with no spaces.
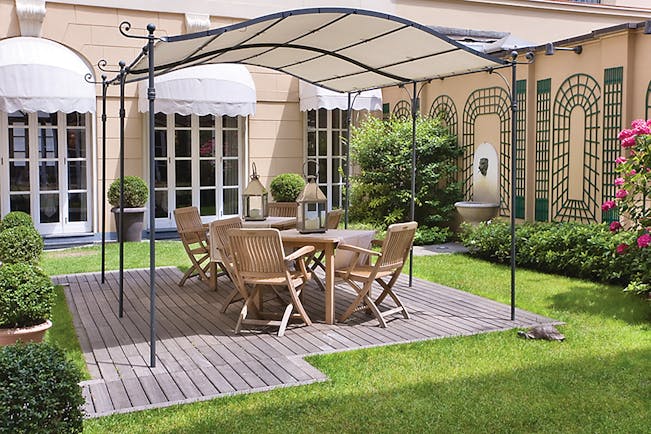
{"x":197,"y":163}
{"x":46,"y":170}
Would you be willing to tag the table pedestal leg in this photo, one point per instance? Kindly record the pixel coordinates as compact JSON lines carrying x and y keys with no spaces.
{"x":330,"y":284}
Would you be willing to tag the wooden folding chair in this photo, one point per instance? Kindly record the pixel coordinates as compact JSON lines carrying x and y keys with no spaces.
{"x":282,"y":209}
{"x":332,"y":222}
{"x":389,"y":263}
{"x":259,"y":261}
{"x":194,"y":237}
{"x":220,"y":255}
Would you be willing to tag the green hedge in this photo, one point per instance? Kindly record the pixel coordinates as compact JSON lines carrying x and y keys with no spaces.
{"x":569,"y":249}
{"x":39,"y":391}
{"x":20,"y":244}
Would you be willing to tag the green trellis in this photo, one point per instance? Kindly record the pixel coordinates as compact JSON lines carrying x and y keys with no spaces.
{"x":543,"y":132}
{"x":402,"y":110}
{"x":520,"y":145}
{"x":490,"y":100}
{"x":443,"y":107}
{"x":579,"y":91}
{"x":613,"y":90}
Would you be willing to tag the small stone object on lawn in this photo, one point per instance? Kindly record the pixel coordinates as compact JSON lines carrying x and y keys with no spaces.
{"x":547,"y":332}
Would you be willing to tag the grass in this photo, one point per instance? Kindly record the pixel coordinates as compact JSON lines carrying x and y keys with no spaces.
{"x":596,"y":381}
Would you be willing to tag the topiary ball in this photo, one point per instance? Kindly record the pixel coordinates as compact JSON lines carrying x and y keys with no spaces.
{"x":136,"y":192}
{"x":16,"y":218}
{"x":286,"y":187}
{"x":39,"y":390}
{"x":26,"y":296}
{"x":20,"y":244}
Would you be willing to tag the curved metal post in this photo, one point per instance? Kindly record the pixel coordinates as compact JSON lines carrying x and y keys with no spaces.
{"x":151,"y":96}
{"x":347,"y":202}
{"x":103,"y":197}
{"x":412,"y":207}
{"x":514,"y":114}
{"x":123,"y":74}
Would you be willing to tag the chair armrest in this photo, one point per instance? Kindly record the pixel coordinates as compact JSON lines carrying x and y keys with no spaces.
{"x":300,"y":252}
{"x":357,"y":249}
{"x":206,"y":226}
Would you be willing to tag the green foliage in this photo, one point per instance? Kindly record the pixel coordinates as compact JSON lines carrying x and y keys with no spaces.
{"x":432,"y":235}
{"x":568,"y":249}
{"x":20,"y":244}
{"x":381,"y":193}
{"x":136,"y":192}
{"x":16,"y":218}
{"x":39,"y":391}
{"x":26,"y":295}
{"x":286,"y":187}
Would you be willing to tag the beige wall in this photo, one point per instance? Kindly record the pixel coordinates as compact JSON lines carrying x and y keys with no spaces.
{"x":623,"y":48}
{"x":91,"y":28}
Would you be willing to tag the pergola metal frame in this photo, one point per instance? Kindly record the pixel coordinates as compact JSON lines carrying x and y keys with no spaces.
{"x":148,"y":51}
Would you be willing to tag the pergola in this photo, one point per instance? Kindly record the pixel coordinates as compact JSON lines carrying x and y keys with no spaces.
{"x":340,"y":49}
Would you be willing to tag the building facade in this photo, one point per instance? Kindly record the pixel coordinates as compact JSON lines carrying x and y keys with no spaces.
{"x":51,"y":157}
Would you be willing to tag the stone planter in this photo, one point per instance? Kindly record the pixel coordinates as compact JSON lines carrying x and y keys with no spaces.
{"x":24,"y":334}
{"x":133,"y":221}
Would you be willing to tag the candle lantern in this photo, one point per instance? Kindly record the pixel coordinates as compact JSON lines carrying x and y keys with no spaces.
{"x":312,"y":203}
{"x":255,"y":198}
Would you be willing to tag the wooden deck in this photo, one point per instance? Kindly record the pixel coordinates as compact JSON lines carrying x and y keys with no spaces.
{"x":199,"y":357}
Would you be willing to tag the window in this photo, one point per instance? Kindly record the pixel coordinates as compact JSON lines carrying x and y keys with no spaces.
{"x":197,"y":163}
{"x":326,"y":131}
{"x":45,"y":169}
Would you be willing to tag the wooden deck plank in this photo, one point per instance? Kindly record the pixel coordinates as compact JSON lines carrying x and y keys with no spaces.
{"x":199,"y":356}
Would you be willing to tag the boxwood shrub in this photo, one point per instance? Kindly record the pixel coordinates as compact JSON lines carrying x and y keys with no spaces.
{"x":39,"y":391}
{"x":136,"y":192}
{"x":569,"y":249}
{"x":16,"y":218}
{"x":26,"y":295}
{"x":286,"y":187}
{"x":20,"y":244}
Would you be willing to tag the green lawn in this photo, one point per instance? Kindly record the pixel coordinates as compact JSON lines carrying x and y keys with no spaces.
{"x":598,"y":380}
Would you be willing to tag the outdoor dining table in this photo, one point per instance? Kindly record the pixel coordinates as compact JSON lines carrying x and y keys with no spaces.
{"x":271,"y":222}
{"x":327,"y":242}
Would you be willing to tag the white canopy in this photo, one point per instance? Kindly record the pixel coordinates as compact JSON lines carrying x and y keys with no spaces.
{"x":39,"y":74}
{"x":341,"y":49}
{"x":315,"y":97}
{"x":224,"y":89}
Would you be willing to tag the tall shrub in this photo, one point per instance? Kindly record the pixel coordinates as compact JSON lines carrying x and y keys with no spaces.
{"x":382,"y":190}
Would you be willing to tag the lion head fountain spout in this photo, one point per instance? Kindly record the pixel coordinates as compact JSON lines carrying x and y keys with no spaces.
{"x":485,"y":202}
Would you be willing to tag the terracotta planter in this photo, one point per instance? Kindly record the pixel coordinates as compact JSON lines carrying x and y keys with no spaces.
{"x":133,"y":221}
{"x":24,"y":334}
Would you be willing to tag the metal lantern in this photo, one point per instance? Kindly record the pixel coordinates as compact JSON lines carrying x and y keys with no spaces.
{"x":312,"y":203}
{"x":255,"y":198}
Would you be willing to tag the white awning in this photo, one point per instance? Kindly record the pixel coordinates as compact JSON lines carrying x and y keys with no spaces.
{"x":340,"y":49}
{"x":39,"y":74}
{"x":205,"y":89}
{"x":315,"y":97}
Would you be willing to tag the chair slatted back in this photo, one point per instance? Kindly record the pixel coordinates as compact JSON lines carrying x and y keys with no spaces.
{"x":396,"y":245}
{"x":257,"y":253}
{"x":333,"y":218}
{"x":189,"y":225}
{"x":283,"y":209}
{"x":219,"y":245}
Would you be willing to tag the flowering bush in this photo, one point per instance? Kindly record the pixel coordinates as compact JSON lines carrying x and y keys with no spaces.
{"x":633,"y":187}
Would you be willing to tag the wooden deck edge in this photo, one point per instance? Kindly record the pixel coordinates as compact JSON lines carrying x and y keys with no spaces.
{"x":204,"y":398}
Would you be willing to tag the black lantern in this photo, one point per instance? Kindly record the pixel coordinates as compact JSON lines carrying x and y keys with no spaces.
{"x":255,"y":198}
{"x":312,"y":205}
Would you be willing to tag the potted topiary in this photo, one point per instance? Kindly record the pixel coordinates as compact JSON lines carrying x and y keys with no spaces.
{"x":26,"y":299}
{"x":136,"y":194}
{"x":285,"y":189}
{"x":16,"y":218}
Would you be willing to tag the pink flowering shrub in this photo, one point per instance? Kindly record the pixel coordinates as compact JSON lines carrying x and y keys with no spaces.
{"x":631,"y":201}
